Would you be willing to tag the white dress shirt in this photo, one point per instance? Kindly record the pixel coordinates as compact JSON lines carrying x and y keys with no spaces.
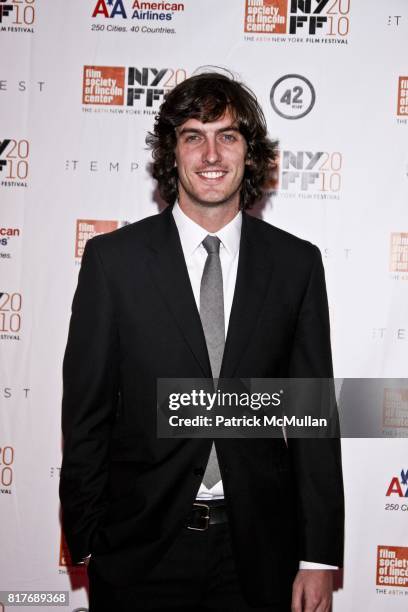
{"x":191,"y":238}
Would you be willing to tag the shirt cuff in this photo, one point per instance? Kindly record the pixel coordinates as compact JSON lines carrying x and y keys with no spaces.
{"x":310,"y":565}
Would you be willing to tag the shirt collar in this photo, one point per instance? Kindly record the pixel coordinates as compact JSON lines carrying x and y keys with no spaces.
{"x":191,"y":234}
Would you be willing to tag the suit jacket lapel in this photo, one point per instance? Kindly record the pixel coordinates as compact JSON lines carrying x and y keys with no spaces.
{"x":171,"y":276}
{"x":253,"y":277}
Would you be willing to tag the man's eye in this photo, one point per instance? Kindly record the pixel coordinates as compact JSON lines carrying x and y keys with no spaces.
{"x":229,"y":137}
{"x":192,"y":138}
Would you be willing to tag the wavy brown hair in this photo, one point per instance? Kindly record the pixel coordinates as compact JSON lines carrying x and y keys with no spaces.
{"x":206,"y":97}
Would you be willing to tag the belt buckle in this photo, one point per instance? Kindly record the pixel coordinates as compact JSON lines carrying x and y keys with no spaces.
{"x":206,"y":518}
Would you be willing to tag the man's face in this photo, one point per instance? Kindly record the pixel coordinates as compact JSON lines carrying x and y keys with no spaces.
{"x":210,"y":159}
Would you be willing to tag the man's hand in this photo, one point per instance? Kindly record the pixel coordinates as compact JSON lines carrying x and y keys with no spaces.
{"x":312,"y":591}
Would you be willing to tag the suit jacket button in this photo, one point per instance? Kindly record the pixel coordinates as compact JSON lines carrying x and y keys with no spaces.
{"x":199,"y":471}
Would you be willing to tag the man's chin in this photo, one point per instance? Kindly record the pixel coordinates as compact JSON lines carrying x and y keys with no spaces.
{"x":211,"y":203}
{"x":216,"y":202}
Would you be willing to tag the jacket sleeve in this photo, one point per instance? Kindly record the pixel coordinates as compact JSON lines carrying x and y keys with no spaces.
{"x":90,"y":393}
{"x":317,"y":461}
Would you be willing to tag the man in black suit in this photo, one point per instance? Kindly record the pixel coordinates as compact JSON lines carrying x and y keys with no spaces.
{"x":200,"y":290}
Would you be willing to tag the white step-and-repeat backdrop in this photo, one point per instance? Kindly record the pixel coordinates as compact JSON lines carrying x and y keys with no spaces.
{"x":80,"y":83}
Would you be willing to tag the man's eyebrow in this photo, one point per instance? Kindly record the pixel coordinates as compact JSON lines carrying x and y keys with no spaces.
{"x":229,"y":128}
{"x":191,"y":130}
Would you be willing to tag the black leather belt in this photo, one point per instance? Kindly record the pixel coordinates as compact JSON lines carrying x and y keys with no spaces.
{"x":204,"y":514}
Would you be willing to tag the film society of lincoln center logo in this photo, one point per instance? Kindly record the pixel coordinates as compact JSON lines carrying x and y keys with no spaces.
{"x":130,"y":86}
{"x":308,"y":174}
{"x":399,"y":253}
{"x":17,"y":15}
{"x":6,"y":469}
{"x":66,"y":566}
{"x":392,"y":566}
{"x":395,"y":408}
{"x":402,"y":106}
{"x":86,"y":229}
{"x":64,"y":556}
{"x":319,"y":20}
{"x":14,"y":162}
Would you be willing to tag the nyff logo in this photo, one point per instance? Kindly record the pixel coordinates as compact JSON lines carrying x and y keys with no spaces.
{"x":398,"y":485}
{"x":22,"y":13}
{"x":310,"y":171}
{"x":5,"y":9}
{"x":14,"y":162}
{"x":3,"y":146}
{"x":307,"y":15}
{"x":148,"y":83}
{"x":10,"y":315}
{"x":106,"y":85}
{"x":6,"y":469}
{"x":310,"y":17}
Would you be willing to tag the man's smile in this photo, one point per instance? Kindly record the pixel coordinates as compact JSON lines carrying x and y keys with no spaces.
{"x":212,"y":175}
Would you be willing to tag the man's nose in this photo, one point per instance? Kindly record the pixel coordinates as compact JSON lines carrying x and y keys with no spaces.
{"x":211,"y":152}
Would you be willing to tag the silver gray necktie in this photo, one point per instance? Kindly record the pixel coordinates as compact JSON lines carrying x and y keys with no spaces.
{"x":212,"y":319}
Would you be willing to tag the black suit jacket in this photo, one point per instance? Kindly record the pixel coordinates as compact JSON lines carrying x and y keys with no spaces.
{"x":125,"y":493}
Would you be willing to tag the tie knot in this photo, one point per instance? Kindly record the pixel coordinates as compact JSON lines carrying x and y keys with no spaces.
{"x":212,"y":244}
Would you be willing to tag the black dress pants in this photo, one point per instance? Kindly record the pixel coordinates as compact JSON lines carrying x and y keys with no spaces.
{"x":196,"y":574}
